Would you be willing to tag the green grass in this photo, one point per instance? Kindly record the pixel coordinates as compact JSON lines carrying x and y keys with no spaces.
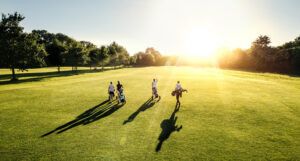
{"x":226,"y":115}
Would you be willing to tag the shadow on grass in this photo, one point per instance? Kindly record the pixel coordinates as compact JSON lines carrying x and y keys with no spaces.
{"x":148,"y":104}
{"x":40,"y":76}
{"x":100,"y":111}
{"x":168,"y":126}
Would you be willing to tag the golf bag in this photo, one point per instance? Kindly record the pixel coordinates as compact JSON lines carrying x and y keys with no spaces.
{"x":122,"y":97}
{"x":173,"y":93}
{"x":178,"y":92}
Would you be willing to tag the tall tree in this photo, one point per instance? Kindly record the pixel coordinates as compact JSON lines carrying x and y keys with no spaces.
{"x":262,"y":41}
{"x":103,"y":56}
{"x":92,"y":52}
{"x":76,"y":55}
{"x":148,"y":59}
{"x":56,"y":51}
{"x":118,"y":54}
{"x":133,"y":60}
{"x":156,"y":54}
{"x":33,"y":51}
{"x":44,"y":37}
{"x":261,"y":52}
{"x":93,"y":58}
{"x":113,"y":49}
{"x":17,"y":49}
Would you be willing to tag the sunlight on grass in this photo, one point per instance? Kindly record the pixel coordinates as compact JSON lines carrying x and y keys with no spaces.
{"x":221,"y":117}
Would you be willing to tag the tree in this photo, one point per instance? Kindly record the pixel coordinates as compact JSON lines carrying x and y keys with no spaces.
{"x":291,"y":44}
{"x":262,"y":53}
{"x":156,"y":54}
{"x":56,"y":53}
{"x":76,"y":55}
{"x":139,"y":58}
{"x":44,"y":37}
{"x":113,"y":49}
{"x":64,"y":39}
{"x":92,"y":51}
{"x":118,"y":54}
{"x":103,"y":56}
{"x":88,"y":45}
{"x":33,"y":52}
{"x":93,"y":55}
{"x":291,"y":53}
{"x":148,"y":60}
{"x":262,"y":41}
{"x":133,"y":60}
{"x":18,"y":49}
{"x":123,"y":58}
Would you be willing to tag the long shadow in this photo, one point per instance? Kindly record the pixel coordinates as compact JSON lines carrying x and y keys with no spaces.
{"x":93,"y":114}
{"x":168,"y":127}
{"x":148,"y":104}
{"x":40,"y":76}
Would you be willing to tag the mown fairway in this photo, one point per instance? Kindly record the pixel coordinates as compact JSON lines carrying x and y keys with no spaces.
{"x":226,"y":115}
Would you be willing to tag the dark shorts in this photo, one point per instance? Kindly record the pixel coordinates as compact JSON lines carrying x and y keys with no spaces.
{"x":112,"y":93}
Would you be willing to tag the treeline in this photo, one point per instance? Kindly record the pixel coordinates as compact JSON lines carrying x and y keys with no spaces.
{"x":20,"y":50}
{"x":263,"y":57}
{"x":64,"y":51}
{"x":259,"y":57}
{"x":152,"y":57}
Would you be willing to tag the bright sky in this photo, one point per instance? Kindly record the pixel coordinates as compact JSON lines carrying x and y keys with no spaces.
{"x":170,"y":26}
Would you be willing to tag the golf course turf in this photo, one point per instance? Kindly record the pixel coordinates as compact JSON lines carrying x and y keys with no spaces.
{"x":226,"y":115}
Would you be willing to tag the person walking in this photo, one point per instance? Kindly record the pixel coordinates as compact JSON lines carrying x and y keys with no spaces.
{"x":119,"y":89}
{"x":154,"y":89}
{"x":178,"y":92}
{"x":111,"y":92}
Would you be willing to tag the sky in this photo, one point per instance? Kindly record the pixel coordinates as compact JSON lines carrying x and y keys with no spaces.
{"x":172,"y":27}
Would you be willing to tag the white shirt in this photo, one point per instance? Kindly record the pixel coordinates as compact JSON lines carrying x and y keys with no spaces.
{"x":111,"y":88}
{"x":154,"y":84}
{"x":178,"y":86}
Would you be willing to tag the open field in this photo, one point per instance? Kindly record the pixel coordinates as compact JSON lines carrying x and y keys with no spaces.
{"x":226,"y":115}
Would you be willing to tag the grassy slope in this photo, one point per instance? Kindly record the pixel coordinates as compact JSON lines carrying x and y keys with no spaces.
{"x":226,"y":115}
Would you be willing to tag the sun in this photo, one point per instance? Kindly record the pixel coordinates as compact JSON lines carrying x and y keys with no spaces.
{"x":201,"y":43}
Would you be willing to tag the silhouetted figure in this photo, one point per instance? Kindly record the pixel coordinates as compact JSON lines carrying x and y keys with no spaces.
{"x":168,"y":126}
{"x":178,"y":92}
{"x":149,"y":103}
{"x":154,"y":89}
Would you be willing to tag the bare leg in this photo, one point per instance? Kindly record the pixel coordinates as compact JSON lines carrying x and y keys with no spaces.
{"x":177,"y":98}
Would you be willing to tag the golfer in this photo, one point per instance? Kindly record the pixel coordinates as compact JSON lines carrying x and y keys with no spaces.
{"x":111,"y":91}
{"x":154,"y":88}
{"x":178,"y":91}
{"x":119,"y":89}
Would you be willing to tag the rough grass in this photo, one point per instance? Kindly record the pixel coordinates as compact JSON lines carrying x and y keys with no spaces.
{"x":226,"y":115}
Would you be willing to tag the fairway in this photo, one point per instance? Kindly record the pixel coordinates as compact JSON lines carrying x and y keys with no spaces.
{"x":226,"y":115}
